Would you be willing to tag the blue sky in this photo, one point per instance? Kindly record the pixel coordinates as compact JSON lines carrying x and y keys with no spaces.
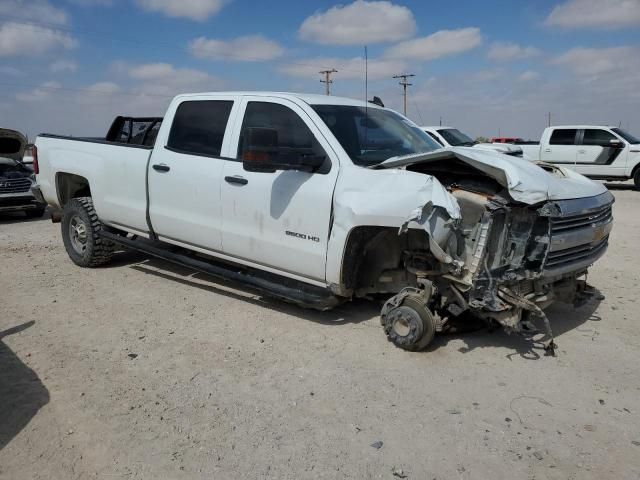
{"x":486,"y":67}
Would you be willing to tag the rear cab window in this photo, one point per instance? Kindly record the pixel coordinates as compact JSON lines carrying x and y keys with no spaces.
{"x":199,"y":127}
{"x":563,"y":136}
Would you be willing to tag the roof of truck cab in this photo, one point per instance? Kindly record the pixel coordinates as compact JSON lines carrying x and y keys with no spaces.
{"x":310,"y":98}
{"x":582,"y":126}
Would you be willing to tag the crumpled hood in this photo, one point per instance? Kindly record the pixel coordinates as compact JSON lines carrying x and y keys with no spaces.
{"x":527,"y":182}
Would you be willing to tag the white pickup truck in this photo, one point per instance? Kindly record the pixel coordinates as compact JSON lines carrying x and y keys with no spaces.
{"x":318,"y":199}
{"x":598,"y":152}
{"x":452,"y":137}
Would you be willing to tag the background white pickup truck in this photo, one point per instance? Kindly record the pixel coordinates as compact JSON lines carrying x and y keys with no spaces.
{"x":318,"y":199}
{"x":598,"y":152}
{"x":452,"y":137}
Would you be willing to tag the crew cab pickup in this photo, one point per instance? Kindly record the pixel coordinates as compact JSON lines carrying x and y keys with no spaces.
{"x":319,"y":199}
{"x":452,"y":137}
{"x":598,"y":152}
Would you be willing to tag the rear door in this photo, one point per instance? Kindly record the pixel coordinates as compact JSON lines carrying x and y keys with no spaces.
{"x":600,"y":153}
{"x":561,"y":148}
{"x":279,"y":219}
{"x":185,"y":173}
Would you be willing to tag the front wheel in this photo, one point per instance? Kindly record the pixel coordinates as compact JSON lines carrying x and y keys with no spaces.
{"x":636,"y":178}
{"x":80,"y":227}
{"x":410,"y":326}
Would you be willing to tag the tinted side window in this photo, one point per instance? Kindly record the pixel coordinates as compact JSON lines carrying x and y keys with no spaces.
{"x":198,"y":126}
{"x":598,"y":137}
{"x":294,"y":137}
{"x":563,"y":136}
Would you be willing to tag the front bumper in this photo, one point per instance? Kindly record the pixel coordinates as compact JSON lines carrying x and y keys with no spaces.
{"x":579,"y":234}
{"x":21,"y":201}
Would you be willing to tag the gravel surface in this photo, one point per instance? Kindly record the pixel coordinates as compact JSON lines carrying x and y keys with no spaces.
{"x":144,"y":370}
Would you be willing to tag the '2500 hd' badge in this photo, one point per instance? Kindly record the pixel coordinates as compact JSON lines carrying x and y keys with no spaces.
{"x":302,"y":236}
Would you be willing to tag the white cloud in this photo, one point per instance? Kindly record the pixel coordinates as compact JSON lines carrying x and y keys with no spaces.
{"x":528,"y":76}
{"x":33,"y":10}
{"x":507,"y":52}
{"x":599,"y":61}
{"x":165,"y":79}
{"x":359,"y":23}
{"x":20,"y":39}
{"x":60,"y":66}
{"x":241,"y":49}
{"x":348,"y":69}
{"x":40,"y":93}
{"x":595,"y":14}
{"x":437,"y":45}
{"x":199,"y":10}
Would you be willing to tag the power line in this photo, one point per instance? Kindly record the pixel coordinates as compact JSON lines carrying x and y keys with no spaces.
{"x":327,"y":79}
{"x":404,"y":84}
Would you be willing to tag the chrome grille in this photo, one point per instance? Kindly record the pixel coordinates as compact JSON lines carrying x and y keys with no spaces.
{"x":571,"y":255}
{"x":579,"y":234}
{"x":16,"y":185}
{"x":575,"y":222}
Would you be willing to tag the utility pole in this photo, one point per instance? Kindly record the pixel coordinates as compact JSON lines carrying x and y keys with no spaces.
{"x":404,"y":84}
{"x":327,"y":79}
{"x":549,"y":119}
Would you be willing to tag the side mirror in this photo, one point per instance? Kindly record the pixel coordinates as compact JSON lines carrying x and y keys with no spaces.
{"x":615,"y":143}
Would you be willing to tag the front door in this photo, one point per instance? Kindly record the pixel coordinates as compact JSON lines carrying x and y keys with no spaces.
{"x":186,"y":172}
{"x":279,"y":219}
{"x":600,"y":153}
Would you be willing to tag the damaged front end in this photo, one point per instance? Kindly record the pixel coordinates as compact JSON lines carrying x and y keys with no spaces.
{"x":505,"y":257}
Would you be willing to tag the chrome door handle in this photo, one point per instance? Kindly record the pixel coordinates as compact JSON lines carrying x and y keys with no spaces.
{"x":547,"y":150}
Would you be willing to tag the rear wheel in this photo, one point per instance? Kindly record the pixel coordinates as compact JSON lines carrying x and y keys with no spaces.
{"x":80,"y":227}
{"x":636,"y":178}
{"x":410,"y":326}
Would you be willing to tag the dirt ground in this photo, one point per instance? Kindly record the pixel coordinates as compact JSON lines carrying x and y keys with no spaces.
{"x":144,"y":370}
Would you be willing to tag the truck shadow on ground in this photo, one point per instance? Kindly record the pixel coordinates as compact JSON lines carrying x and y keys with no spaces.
{"x":22,"y":393}
{"x":7,"y":218}
{"x":527,"y":345}
{"x":351,"y":312}
{"x":475,"y":334}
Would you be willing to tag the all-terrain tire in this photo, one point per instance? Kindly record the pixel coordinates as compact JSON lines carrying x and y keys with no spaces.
{"x":80,"y":226}
{"x":420,"y":325}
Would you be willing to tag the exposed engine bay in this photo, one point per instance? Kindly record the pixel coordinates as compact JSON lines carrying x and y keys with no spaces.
{"x":502,"y":260}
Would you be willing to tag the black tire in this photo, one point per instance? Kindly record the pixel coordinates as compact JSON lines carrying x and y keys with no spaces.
{"x":636,"y":178}
{"x":415,"y":318}
{"x":37,"y":213}
{"x":80,"y":227}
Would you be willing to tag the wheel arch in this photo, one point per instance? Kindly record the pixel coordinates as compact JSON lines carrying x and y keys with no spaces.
{"x":70,"y":185}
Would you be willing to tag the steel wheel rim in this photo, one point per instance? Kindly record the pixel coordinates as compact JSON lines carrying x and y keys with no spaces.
{"x":78,"y":234}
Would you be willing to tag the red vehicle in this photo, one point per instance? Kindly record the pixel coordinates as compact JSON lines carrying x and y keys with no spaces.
{"x":506,"y":140}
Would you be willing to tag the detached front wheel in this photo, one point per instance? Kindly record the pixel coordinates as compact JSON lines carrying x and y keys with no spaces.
{"x":80,"y":227}
{"x":410,"y":325}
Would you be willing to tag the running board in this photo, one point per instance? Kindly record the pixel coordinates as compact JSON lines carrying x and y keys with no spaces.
{"x":273,"y":285}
